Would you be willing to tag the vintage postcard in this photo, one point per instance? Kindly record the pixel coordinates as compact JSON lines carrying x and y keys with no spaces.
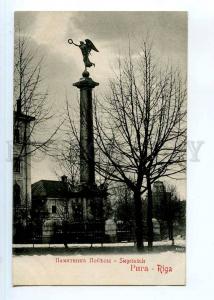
{"x":99,"y":150}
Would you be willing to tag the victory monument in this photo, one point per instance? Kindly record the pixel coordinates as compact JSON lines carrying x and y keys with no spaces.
{"x":92,"y":196}
{"x":86,"y":85}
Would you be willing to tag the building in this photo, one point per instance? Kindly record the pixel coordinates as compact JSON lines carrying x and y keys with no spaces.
{"x":56,"y":203}
{"x":21,"y":170}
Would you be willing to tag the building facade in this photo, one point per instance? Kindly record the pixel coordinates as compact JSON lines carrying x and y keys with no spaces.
{"x":21,"y":172}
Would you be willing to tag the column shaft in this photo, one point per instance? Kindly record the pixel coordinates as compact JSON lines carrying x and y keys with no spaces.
{"x":87,"y":173}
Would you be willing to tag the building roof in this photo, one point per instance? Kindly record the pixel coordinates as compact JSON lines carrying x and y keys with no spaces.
{"x":49,"y":188}
{"x":60,"y":189}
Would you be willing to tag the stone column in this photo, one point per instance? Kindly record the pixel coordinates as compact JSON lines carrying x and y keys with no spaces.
{"x":87,"y":170}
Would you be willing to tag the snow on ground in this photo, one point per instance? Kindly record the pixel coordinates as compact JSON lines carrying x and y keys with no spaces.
{"x":178,"y":242}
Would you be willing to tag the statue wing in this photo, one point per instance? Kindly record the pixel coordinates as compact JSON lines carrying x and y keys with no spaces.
{"x":90,"y":45}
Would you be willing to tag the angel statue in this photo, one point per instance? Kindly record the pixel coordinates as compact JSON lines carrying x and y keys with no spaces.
{"x":86,"y":50}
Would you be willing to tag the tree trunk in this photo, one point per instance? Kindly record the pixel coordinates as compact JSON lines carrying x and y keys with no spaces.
{"x":65,"y":234}
{"x":138,"y":221}
{"x":170,"y":231}
{"x":149,"y":214}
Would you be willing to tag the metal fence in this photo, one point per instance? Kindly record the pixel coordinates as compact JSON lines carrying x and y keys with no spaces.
{"x":83,"y":233}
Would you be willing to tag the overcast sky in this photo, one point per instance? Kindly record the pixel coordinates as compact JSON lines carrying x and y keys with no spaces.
{"x":110,"y":32}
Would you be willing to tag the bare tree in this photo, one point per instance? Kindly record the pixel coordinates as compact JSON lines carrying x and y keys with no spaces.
{"x":67,"y":158}
{"x":172,"y":209}
{"x":67,"y":152}
{"x":140,"y":128}
{"x":30,"y":100}
{"x":123,"y":203}
{"x":32,"y":114}
{"x":65,"y":218}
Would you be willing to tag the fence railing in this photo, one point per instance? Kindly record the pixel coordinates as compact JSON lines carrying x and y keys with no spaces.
{"x":84,"y":233}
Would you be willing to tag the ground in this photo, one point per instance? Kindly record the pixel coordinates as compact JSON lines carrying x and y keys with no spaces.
{"x":87,"y":249}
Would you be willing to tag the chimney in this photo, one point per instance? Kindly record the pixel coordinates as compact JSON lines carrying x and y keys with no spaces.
{"x":64,"y":178}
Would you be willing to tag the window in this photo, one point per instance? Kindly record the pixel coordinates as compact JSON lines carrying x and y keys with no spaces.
{"x":53,"y":209}
{"x":16,"y":194}
{"x":16,"y":164}
{"x":16,"y":136}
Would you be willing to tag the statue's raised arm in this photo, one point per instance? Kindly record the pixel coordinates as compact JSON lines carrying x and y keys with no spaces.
{"x":85,"y":49}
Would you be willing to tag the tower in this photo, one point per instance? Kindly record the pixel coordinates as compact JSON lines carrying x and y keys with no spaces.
{"x":21,"y":165}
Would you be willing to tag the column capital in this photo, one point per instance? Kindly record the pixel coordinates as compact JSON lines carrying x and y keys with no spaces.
{"x":85,"y":82}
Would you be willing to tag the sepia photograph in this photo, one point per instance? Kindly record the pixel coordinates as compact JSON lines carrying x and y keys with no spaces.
{"x":99,"y":148}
